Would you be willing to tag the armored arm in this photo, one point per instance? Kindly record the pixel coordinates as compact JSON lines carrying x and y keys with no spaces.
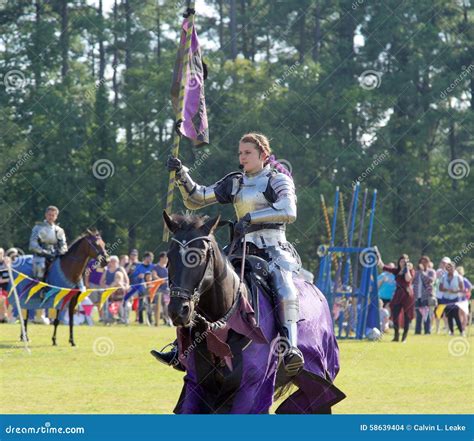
{"x":35,"y":245}
{"x":283,"y":210}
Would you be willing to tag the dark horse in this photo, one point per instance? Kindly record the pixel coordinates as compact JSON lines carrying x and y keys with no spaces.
{"x":228,"y":340}
{"x":66,"y":272}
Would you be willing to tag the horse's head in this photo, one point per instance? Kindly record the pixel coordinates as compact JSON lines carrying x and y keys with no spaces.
{"x":96,"y":247}
{"x":190,"y":263}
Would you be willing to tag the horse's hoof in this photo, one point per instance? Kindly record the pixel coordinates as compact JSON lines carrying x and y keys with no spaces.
{"x":54,"y":343}
{"x":72,"y":343}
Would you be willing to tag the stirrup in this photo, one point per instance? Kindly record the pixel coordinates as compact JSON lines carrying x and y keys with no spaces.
{"x":169,"y":358}
{"x":293,"y":361}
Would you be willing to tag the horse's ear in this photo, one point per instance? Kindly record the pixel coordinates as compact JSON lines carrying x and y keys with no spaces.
{"x":172,"y":225}
{"x":211,"y":225}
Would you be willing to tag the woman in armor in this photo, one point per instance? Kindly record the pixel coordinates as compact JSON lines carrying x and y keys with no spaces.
{"x":263,"y":196}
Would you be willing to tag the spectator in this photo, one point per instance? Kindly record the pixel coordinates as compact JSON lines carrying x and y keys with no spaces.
{"x":384,"y":315}
{"x":3,"y":287}
{"x":124,"y":259}
{"x":403,"y":297}
{"x":92,"y":278}
{"x":132,"y":263}
{"x":147,"y":302}
{"x":162,"y":297}
{"x":424,"y":297}
{"x":112,"y":277}
{"x":440,"y":272}
{"x":466,"y":296}
{"x":452,"y":287}
{"x":138,"y":277}
{"x":386,"y":285}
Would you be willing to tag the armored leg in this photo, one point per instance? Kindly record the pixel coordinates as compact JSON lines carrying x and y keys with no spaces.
{"x":288,"y":314}
{"x":39,"y":267}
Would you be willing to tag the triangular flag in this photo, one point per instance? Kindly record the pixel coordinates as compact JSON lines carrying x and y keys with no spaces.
{"x":130,"y":293}
{"x":69,"y":297}
{"x":26,"y":288}
{"x":439,"y":311}
{"x":153,"y":287}
{"x":84,"y":294}
{"x":106,"y":294}
{"x":35,"y":289}
{"x":19,"y":278}
{"x":62,"y":293}
{"x":50,"y":293}
{"x":464,"y":306}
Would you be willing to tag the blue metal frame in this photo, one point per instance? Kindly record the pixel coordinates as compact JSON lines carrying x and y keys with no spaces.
{"x":366,"y":295}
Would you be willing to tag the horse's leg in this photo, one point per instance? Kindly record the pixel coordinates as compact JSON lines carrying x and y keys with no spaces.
{"x":72,"y":306}
{"x":56,"y":323}
{"x":25,"y":322}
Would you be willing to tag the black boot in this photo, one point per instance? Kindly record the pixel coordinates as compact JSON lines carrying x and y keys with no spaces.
{"x":170,"y":358}
{"x":397,"y":335}
{"x":293,"y":361}
{"x":404,"y":336}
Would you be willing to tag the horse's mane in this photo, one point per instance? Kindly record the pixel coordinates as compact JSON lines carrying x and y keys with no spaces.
{"x":188,"y":222}
{"x":78,"y":239}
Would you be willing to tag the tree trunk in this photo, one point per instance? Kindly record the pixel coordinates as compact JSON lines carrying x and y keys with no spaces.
{"x":128,"y":63}
{"x":317,"y":31}
{"x":243,"y":12}
{"x":221,"y":25}
{"x":116,"y":58}
{"x":64,"y":38}
{"x":302,"y":39}
{"x":233,"y":30}
{"x":36,"y":61}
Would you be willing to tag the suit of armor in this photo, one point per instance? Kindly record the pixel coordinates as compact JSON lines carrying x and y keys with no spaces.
{"x":46,"y":242}
{"x":268,"y":198}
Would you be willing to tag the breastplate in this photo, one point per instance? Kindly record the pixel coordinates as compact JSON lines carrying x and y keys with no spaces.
{"x":47,"y":235}
{"x":250,"y":196}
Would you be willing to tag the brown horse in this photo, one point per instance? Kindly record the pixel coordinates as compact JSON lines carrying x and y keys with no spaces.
{"x":67,"y":271}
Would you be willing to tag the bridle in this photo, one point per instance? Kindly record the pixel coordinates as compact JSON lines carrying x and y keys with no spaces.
{"x":97,"y":250}
{"x":183,"y":293}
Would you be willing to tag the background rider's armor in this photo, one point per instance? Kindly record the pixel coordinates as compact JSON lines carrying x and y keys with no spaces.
{"x":269,"y":197}
{"x":46,"y":241}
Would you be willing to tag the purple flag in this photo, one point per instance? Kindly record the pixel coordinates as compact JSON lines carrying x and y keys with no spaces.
{"x":194,"y":125}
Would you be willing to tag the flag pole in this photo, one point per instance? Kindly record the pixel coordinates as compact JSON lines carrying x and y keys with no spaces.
{"x":18,"y":307}
{"x":179,"y":113}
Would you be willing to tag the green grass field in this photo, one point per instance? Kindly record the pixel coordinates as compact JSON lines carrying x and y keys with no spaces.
{"x":423,"y":375}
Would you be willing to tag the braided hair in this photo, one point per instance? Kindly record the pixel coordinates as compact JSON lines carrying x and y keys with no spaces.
{"x":262,"y":144}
